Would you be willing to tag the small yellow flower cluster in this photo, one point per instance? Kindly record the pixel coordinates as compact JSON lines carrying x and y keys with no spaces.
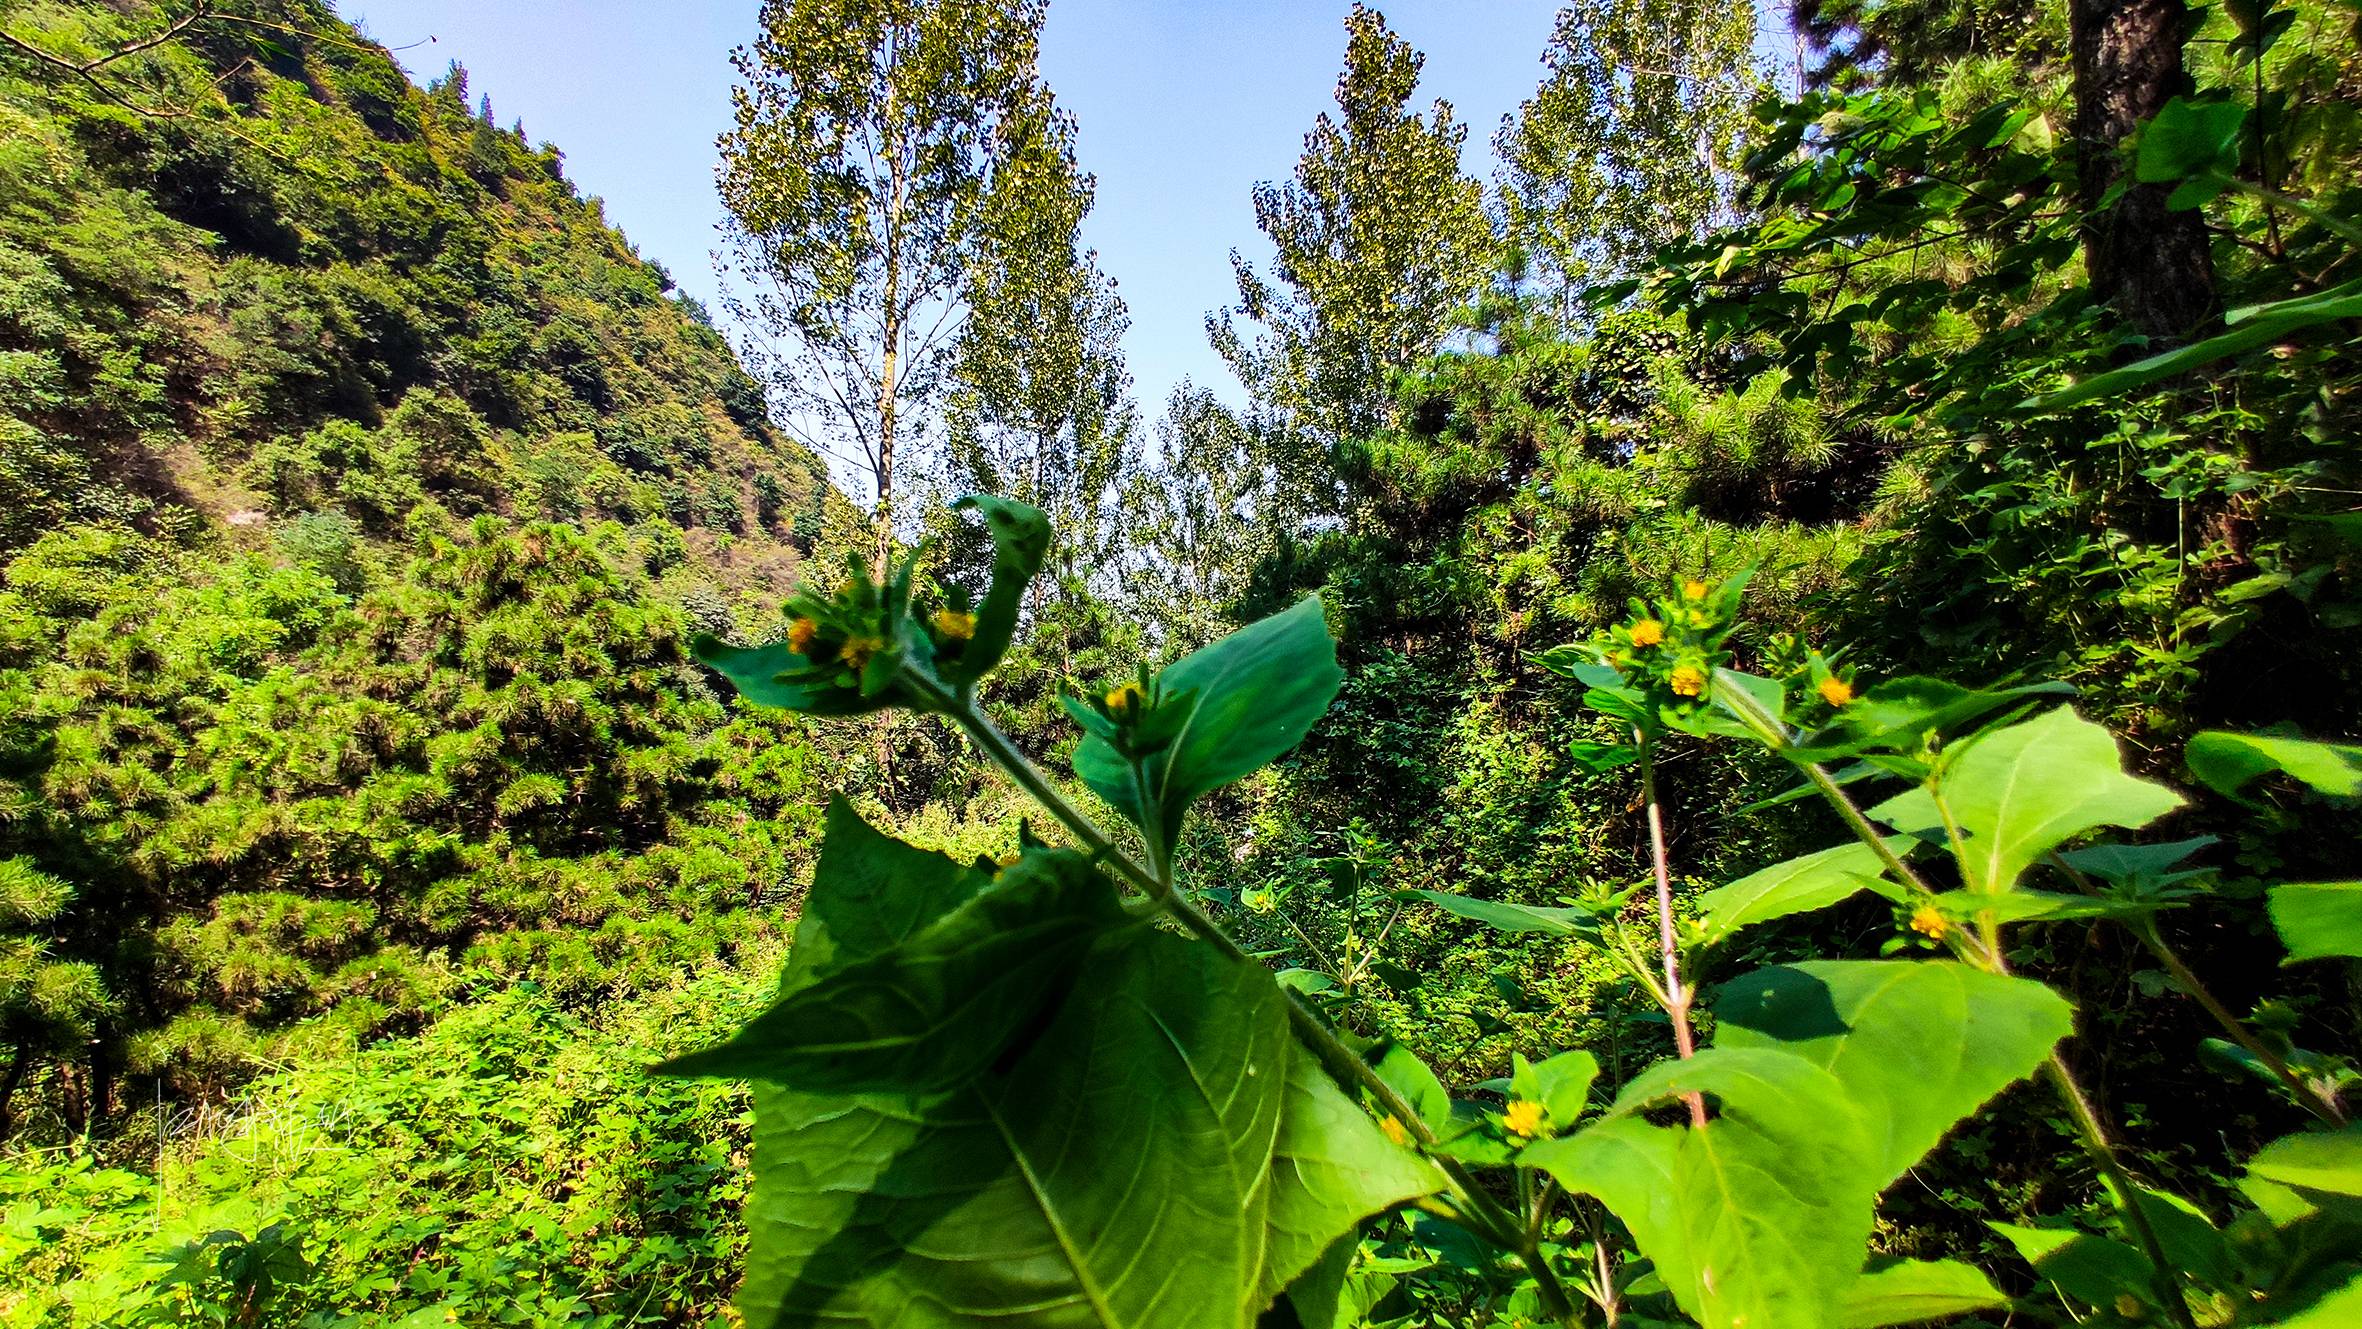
{"x":859,"y":648}
{"x":1929,"y":921}
{"x":1124,"y":701}
{"x":1392,"y":1126}
{"x":1523,"y":1118}
{"x":1672,"y":645}
{"x":954,"y":625}
{"x":800,"y":634}
{"x":1835,"y":691}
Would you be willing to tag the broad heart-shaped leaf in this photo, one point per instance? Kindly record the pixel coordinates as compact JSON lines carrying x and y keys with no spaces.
{"x":1330,"y":1168}
{"x":1020,"y":541}
{"x":2318,"y":920}
{"x":1909,"y":1291}
{"x":2092,"y":1269}
{"x":1761,"y":1219}
{"x":2020,"y":792}
{"x":2190,"y":138}
{"x":1147,"y":1162}
{"x":936,"y":1009}
{"x":1250,"y":697}
{"x":1797,"y":886}
{"x":1917,"y":1045}
{"x":2228,"y":762}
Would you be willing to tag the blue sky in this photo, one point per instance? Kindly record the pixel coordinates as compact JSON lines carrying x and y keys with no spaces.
{"x":1183,"y":106}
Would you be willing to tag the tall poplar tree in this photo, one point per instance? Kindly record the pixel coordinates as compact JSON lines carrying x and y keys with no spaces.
{"x":1632,"y":140}
{"x":1380,"y":241}
{"x":1041,"y":402}
{"x":856,"y":178}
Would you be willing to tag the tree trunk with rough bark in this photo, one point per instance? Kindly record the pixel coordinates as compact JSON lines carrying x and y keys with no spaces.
{"x":2151,"y":265}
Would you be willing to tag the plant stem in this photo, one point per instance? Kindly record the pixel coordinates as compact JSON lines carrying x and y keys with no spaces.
{"x":2095,"y":1142}
{"x":1677,"y":997}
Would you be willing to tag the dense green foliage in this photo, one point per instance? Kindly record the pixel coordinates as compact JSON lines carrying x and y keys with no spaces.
{"x":1752,"y":725}
{"x":361,"y":488}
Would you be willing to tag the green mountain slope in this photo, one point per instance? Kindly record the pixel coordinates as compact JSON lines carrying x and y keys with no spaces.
{"x":359,"y":487}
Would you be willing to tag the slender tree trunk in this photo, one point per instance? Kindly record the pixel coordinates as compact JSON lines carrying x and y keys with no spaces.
{"x":2151,"y":265}
{"x":17,"y":1065}
{"x":882,"y":538}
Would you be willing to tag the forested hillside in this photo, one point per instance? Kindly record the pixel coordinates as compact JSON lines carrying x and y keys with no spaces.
{"x":1749,"y":719}
{"x":361,"y":487}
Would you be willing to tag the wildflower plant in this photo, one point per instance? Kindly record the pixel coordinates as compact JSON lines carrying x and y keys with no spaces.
{"x":1053,"y":1091}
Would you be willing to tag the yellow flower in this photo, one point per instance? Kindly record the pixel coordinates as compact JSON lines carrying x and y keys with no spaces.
{"x":1929,"y":921}
{"x":1524,"y":1118}
{"x":1693,"y":589}
{"x":1124,"y":701}
{"x":954,"y":625}
{"x":2128,"y":1305}
{"x":858,"y":648}
{"x":1647,"y":632}
{"x":1689,"y":681}
{"x":1836,"y":691}
{"x":1392,"y":1125}
{"x":800,"y":634}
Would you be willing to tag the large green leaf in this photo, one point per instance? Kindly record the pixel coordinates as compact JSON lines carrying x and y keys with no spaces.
{"x":1331,"y":1168}
{"x":2229,"y":762}
{"x":1248,"y":699}
{"x":940,"y":1006}
{"x":1761,"y":1219}
{"x":1900,"y":714}
{"x":1918,"y":1045}
{"x":2091,"y":1268}
{"x":2020,"y":792}
{"x":2340,"y":1309}
{"x":1020,"y":541}
{"x":2325,"y":1161}
{"x":1909,"y":1291}
{"x":2318,"y":920}
{"x":1163,"y":1156}
{"x":2190,"y":139}
{"x":1797,"y":886}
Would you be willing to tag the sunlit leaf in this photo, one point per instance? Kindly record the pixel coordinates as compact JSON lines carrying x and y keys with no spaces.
{"x":1899,"y":1292}
{"x":1797,"y":886}
{"x":1918,"y":1045}
{"x":1247,"y":699}
{"x":2020,"y":792}
{"x":2228,"y":763}
{"x":1508,"y":917}
{"x":1758,"y":1221}
{"x":2318,"y":920}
